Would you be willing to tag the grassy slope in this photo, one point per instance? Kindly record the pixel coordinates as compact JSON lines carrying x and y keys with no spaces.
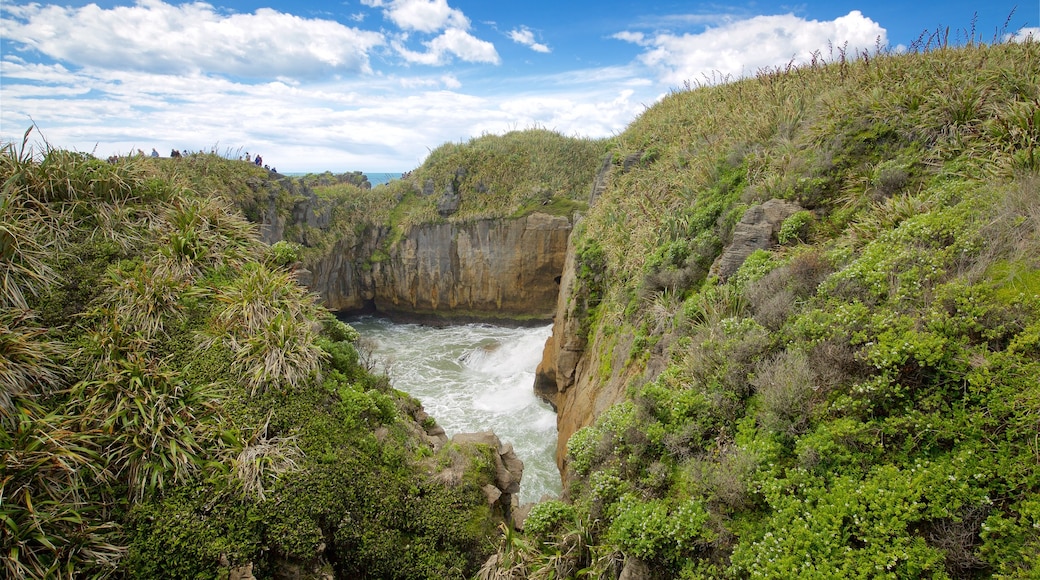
{"x":861,"y":400}
{"x":502,"y":176}
{"x":173,"y":404}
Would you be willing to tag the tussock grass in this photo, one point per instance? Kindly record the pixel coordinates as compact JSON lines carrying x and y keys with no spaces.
{"x":806,"y":133}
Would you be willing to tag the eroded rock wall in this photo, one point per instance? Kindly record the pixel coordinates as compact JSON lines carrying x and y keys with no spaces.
{"x":506,"y":269}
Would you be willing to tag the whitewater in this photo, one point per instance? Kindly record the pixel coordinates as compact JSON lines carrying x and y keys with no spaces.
{"x":474,"y":377}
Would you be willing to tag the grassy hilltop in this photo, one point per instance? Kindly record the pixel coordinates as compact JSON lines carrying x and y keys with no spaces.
{"x":861,"y":399}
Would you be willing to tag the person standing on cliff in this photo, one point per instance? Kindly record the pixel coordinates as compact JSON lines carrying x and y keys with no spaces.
{"x":259,"y":160}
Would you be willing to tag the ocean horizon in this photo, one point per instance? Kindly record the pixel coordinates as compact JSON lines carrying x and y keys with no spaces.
{"x":375,"y":177}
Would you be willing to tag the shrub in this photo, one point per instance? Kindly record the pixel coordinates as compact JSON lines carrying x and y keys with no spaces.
{"x":785,"y":384}
{"x":548,"y":518}
{"x":659,"y":530}
{"x":796,"y":227}
{"x":285,"y":253}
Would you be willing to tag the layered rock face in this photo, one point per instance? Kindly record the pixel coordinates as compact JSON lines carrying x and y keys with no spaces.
{"x":486,"y":269}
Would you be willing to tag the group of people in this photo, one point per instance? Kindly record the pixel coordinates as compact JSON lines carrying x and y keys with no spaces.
{"x":176,"y":153}
{"x":259,"y":162}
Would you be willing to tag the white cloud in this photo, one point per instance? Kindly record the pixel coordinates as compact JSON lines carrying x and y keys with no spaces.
{"x":421,"y":15}
{"x":190,"y":38}
{"x":387,"y":123}
{"x":445,"y":81}
{"x":575,"y":113}
{"x":525,"y":36}
{"x":183,"y":82}
{"x":633,"y":37}
{"x":452,"y":42}
{"x":1024,"y":35}
{"x":743,"y":47}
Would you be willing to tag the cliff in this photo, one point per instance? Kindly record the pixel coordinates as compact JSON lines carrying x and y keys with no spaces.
{"x":486,"y":269}
{"x":478,"y":232}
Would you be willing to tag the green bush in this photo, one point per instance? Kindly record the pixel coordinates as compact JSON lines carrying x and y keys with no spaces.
{"x":548,"y":518}
{"x":660,"y":530}
{"x":795,"y":228}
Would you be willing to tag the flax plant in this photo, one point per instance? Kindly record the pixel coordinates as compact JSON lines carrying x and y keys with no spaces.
{"x":30,"y":364}
{"x":199,"y":234}
{"x":266,"y":319}
{"x":262,"y":460}
{"x":28,"y":237}
{"x":48,"y":526}
{"x":284,"y":354}
{"x":144,"y":298}
{"x":62,"y":176}
{"x":155,"y":426}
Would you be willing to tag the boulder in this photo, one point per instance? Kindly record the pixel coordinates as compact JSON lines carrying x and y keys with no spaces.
{"x":635,"y":569}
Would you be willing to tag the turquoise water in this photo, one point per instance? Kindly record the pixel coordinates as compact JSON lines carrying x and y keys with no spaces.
{"x":475,"y":377}
{"x":380,"y":178}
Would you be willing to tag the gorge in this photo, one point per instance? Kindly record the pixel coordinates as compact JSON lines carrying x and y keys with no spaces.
{"x":767,"y":301}
{"x":795,"y":332}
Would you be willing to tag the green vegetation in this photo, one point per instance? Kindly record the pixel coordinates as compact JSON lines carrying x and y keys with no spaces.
{"x":861,"y":399}
{"x":173,"y":404}
{"x":505,"y":175}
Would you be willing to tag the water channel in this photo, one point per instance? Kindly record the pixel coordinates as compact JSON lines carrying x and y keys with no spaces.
{"x":475,"y":377}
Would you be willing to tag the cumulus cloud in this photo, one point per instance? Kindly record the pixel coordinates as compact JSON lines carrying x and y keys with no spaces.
{"x":190,"y":38}
{"x":191,"y":76}
{"x":743,"y":47}
{"x":452,"y":42}
{"x":525,"y":36}
{"x":421,"y":15}
{"x":428,"y":17}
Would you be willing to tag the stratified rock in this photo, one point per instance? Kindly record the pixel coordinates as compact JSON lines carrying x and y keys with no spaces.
{"x":757,"y":230}
{"x":520,"y":515}
{"x":509,"y":469}
{"x":493,"y":494}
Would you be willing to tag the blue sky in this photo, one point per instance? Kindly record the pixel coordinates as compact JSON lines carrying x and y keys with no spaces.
{"x":374,"y":85}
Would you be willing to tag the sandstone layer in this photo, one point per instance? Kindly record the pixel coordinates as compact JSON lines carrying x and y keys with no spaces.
{"x":504,"y":269}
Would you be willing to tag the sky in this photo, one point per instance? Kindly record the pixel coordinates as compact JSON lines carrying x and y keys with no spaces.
{"x":375,"y":85}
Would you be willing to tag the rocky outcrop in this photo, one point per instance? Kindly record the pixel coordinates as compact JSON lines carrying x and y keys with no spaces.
{"x":505,"y":269}
{"x":487,"y":269}
{"x":563,"y":377}
{"x":509,"y":470}
{"x":757,"y":230}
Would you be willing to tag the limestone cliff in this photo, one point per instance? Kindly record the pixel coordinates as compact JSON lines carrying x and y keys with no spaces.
{"x":482,"y":269}
{"x":486,"y":269}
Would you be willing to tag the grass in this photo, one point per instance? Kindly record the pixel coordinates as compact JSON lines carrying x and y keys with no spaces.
{"x":506,"y":175}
